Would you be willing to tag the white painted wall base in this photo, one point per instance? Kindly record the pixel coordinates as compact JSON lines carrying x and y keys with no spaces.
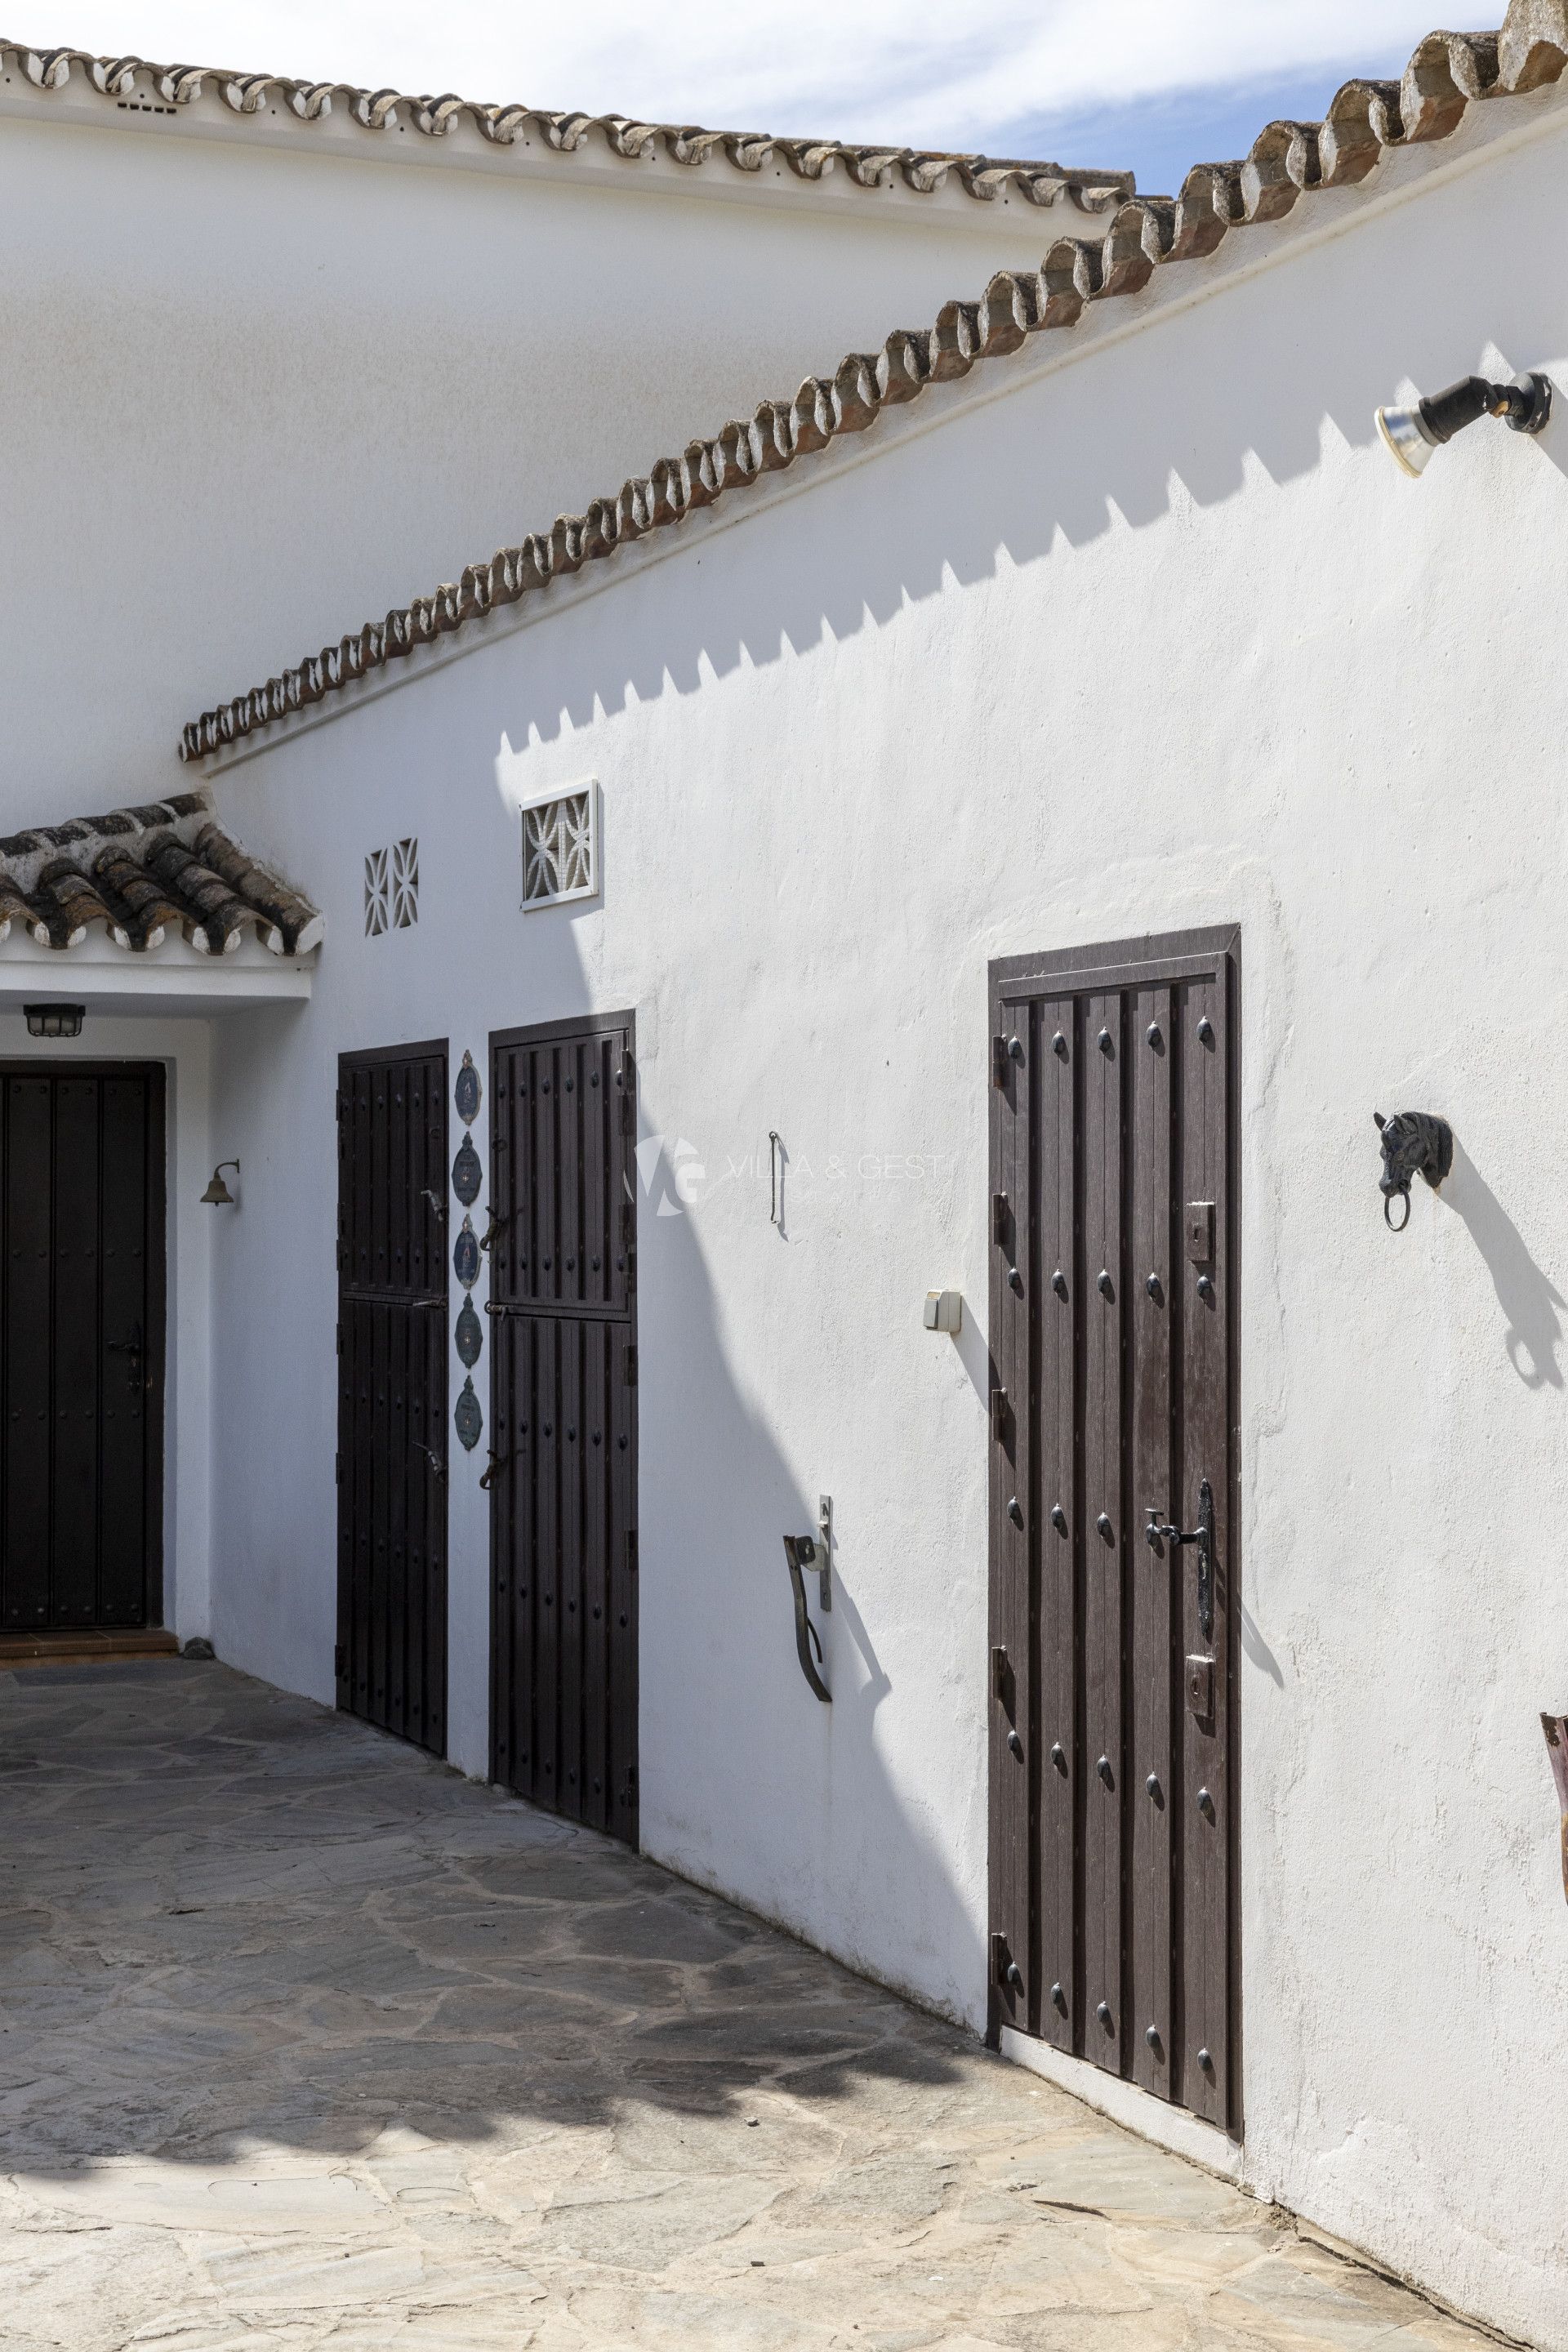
{"x":1125,"y":2104}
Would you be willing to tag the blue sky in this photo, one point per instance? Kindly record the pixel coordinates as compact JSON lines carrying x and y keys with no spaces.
{"x":1156,"y":85}
{"x":1160,"y":137}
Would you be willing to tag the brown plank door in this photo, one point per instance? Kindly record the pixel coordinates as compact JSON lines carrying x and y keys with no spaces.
{"x":393,"y":1228}
{"x":564,"y":1426}
{"x":1114,"y":1302}
{"x":81,"y":1347}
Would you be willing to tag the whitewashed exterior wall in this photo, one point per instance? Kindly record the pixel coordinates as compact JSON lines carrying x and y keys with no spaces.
{"x":262,"y":379}
{"x":1144,"y":635}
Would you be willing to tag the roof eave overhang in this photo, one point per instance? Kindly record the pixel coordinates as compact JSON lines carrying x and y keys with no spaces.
{"x":171,"y":983}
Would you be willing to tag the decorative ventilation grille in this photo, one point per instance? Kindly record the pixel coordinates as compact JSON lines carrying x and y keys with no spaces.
{"x":404,"y":884}
{"x":392,"y":889}
{"x":561,"y":847}
{"x":376,"y":894}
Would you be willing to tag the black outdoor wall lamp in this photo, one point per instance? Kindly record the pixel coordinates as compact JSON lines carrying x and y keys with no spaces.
{"x":1410,"y":434}
{"x":1415,"y":1143}
{"x":54,"y":1020}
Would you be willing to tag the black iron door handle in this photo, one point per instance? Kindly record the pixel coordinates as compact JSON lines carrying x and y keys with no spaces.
{"x":799,"y":1553}
{"x":498,"y":1462}
{"x":1203,"y":1535}
{"x":135,"y":1350}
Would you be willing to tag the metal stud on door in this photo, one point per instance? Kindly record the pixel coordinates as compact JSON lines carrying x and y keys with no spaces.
{"x":1113,"y":1439}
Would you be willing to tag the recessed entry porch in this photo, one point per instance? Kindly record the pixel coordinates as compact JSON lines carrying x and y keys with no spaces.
{"x":325,"y":2044}
{"x":124,"y":941}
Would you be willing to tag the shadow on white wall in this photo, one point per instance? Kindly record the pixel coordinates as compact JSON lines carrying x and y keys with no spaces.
{"x":1532,"y":1306}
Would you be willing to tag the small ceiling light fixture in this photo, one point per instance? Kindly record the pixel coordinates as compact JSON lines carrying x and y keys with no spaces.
{"x":217,"y":1194}
{"x":1410,"y":434}
{"x":55,"y":1020}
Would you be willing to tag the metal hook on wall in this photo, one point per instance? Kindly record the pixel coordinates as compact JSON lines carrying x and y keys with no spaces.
{"x":800,"y":1551}
{"x":1415,"y":1143}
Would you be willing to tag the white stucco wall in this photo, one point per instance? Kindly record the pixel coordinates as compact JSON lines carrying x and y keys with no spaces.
{"x":262,"y":380}
{"x":1146,"y":633}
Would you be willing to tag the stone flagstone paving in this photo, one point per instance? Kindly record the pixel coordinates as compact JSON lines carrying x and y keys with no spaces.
{"x":307,"y":2041}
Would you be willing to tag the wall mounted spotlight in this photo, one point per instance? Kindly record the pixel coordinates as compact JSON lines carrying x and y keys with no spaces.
{"x":1410,"y":434}
{"x":1414,"y":1143}
{"x":55,"y":1020}
{"x":217,"y":1194}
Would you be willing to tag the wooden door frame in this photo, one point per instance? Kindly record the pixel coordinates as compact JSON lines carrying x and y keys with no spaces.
{"x":1154,"y":958}
{"x":531,"y":1033}
{"x":156,"y":1440}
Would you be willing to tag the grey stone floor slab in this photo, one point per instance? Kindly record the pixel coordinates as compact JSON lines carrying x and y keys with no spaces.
{"x":308,"y":2042}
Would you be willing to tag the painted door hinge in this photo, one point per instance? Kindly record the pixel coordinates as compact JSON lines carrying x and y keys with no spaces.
{"x":631,"y":1367}
{"x":340,"y":1661}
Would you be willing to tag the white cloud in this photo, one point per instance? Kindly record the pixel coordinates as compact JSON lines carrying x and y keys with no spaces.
{"x":914,"y":71}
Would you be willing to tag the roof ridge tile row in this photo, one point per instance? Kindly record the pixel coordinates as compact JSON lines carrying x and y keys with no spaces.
{"x":1288,"y":162}
{"x":565,"y":132}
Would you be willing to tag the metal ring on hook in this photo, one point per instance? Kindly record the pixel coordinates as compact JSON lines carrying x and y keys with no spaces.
{"x":1388,"y":1201}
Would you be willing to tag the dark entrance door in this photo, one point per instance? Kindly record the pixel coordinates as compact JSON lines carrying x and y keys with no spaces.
{"x":563,"y":1540}
{"x":1113,"y":1320}
{"x":81,"y":1346}
{"x":392,"y":1391}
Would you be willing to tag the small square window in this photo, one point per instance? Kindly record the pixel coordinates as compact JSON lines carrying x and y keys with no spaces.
{"x":561,"y":847}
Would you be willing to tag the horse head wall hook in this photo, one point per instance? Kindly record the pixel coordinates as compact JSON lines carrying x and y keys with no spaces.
{"x":1415,"y":1142}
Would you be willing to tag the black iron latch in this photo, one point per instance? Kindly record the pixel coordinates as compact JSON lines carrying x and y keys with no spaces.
{"x":1203,"y":1535}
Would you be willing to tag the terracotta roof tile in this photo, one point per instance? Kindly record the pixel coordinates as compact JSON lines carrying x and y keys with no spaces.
{"x":1289,"y":163}
{"x":125,"y":82}
{"x":146,"y":872}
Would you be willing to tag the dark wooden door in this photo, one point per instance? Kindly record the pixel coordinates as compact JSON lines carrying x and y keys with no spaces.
{"x":392,"y":1391}
{"x":563,"y":1428}
{"x":81,"y":1346}
{"x":1113,"y":1321}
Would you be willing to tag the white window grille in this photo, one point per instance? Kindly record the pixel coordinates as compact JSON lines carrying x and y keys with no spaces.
{"x":375,"y":909}
{"x":392,"y":889}
{"x":561,"y":847}
{"x":405,"y":882}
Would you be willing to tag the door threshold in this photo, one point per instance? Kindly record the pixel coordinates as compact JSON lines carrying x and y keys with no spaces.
{"x":76,"y":1649}
{"x":1138,"y":2111}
